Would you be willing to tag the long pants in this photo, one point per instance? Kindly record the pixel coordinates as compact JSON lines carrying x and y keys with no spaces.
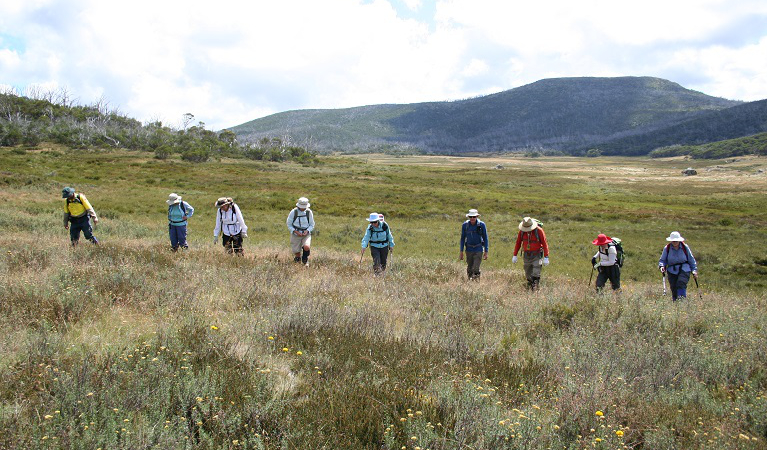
{"x":473,"y":260}
{"x":379,"y":258}
{"x":177,"y":236}
{"x":233,"y":244}
{"x":678,"y":284}
{"x":76,"y":225}
{"x":612,"y":273}
{"x":532,"y":263}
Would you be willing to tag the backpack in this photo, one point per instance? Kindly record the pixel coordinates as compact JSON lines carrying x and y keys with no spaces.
{"x":618,"y":244}
{"x":295,"y":216}
{"x":384,"y":229}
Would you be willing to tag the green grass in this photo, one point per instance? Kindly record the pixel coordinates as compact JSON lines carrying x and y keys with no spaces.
{"x":128,"y":345}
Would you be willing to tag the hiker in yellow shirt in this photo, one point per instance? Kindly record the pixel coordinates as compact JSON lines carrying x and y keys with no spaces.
{"x":77,"y":214}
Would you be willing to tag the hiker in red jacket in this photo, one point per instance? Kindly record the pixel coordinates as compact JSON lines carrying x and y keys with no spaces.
{"x":532,"y":240}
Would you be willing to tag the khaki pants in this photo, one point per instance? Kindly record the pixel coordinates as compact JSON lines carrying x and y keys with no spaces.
{"x":473,"y":260}
{"x":298,"y":242}
{"x":532,"y":262}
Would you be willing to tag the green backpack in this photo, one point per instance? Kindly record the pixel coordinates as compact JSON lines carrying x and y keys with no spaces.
{"x":618,"y":244}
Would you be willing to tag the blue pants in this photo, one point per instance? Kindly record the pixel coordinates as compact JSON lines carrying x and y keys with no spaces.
{"x":678,"y":284}
{"x":177,"y":236}
{"x":76,"y":225}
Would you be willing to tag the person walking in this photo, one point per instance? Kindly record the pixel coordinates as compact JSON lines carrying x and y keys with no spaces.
{"x":535,"y":250}
{"x":378,"y":236}
{"x":678,"y":263}
{"x":474,"y":240}
{"x":300,"y":225}
{"x":179,"y":212}
{"x":606,"y":263}
{"x":77,"y":214}
{"x":231,"y":225}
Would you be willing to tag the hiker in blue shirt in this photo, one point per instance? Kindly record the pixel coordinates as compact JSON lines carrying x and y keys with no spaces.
{"x":178,"y":213}
{"x":474,"y":239}
{"x":677,"y":262}
{"x":379,"y":237}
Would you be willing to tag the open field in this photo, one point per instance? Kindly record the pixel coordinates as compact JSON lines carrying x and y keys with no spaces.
{"x":128,"y":345}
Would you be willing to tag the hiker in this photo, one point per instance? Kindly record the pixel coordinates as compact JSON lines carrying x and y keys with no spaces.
{"x":677,"y":262}
{"x":77,"y":214}
{"x":300,"y":224}
{"x":378,"y":235}
{"x":605,"y":261}
{"x":535,"y":250}
{"x":179,"y":212}
{"x":474,"y":239}
{"x":231,"y":225}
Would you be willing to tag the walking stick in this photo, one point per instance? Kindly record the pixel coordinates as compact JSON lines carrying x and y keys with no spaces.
{"x":664,"y":283}
{"x":592,"y":275}
{"x":700,"y":295}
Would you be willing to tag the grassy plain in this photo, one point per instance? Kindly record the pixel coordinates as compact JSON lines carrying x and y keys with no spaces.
{"x":128,"y":345}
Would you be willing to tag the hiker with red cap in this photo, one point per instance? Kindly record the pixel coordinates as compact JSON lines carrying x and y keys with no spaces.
{"x":535,"y":250}
{"x":605,"y":261}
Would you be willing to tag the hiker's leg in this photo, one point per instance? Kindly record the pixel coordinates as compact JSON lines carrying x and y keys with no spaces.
{"x":476,"y":260}
{"x":601,"y":278}
{"x":529,"y":262}
{"x":88,"y":231}
{"x":384,"y":257}
{"x":681,"y":284}
{"x":227,"y":243}
{"x":375,"y":252}
{"x":615,"y":277}
{"x":237,"y":244}
{"x":295,"y":247}
{"x":672,"y":278}
{"x":306,"y":247}
{"x":74,"y":232}
{"x":181,"y":236}
{"x":173,"y":238}
{"x":534,"y":260}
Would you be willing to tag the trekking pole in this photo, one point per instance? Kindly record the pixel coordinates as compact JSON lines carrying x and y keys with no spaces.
{"x":700,"y":295}
{"x":664,"y":283}
{"x":592,"y":275}
{"x":361,"y":255}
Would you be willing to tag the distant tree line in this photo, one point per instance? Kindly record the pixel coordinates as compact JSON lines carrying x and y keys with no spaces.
{"x":749,"y":145}
{"x":53,"y":116}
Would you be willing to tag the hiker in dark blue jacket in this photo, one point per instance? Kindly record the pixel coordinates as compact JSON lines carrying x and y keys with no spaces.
{"x":474,"y":239}
{"x":677,"y":262}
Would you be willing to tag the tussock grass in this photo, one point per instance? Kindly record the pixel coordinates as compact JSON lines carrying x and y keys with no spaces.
{"x":128,"y":345}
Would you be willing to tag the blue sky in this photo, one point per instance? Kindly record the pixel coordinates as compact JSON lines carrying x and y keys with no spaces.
{"x":234,"y":61}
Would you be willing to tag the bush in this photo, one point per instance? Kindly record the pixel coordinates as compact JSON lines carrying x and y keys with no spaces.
{"x":195,"y":155}
{"x":593,"y":153}
{"x":162,"y":152}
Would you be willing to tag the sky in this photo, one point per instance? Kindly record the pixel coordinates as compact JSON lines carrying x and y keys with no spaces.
{"x":229,"y":62}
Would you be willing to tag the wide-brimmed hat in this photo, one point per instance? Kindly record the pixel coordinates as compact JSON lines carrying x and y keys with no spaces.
{"x":602,"y":239}
{"x":303,"y":202}
{"x":67,"y":192}
{"x":224,"y":201}
{"x":528,"y":224}
{"x":675,"y":237}
{"x":473,"y":213}
{"x":374,"y":217}
{"x":173,"y":199}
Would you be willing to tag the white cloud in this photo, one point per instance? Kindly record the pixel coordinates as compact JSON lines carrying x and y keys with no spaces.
{"x":239,"y":60}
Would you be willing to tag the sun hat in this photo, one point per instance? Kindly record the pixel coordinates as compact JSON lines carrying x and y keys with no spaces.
{"x":374,"y":217}
{"x":528,"y":224}
{"x":173,"y":199}
{"x":602,"y":239}
{"x":67,"y":192}
{"x":303,"y":202}
{"x":675,"y":237}
{"x":223,"y":201}
{"x":473,"y":213}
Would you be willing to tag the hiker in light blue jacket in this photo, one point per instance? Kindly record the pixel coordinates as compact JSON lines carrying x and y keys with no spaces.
{"x":178,"y":213}
{"x":677,"y":262}
{"x":379,"y":237}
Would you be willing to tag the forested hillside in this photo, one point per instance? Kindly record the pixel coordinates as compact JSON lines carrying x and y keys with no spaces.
{"x":563,"y":114}
{"x":54,"y":117}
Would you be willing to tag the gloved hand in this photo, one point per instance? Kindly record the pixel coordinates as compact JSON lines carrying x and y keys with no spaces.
{"x":662,"y":269}
{"x":215,"y":240}
{"x":695,"y":273}
{"x":596,"y":266}
{"x":514,"y":258}
{"x":545,"y":261}
{"x":594,"y":261}
{"x":244,"y":235}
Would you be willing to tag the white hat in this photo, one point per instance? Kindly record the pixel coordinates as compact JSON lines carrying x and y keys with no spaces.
{"x":173,"y":199}
{"x":473,"y":213}
{"x":675,"y":237}
{"x":528,"y":224}
{"x":303,"y":202}
{"x":374,"y":217}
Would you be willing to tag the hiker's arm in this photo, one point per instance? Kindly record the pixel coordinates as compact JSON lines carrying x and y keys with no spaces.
{"x":484,"y":239}
{"x":544,"y":243}
{"x":692,"y":262}
{"x":289,"y":222}
{"x":518,"y":244}
{"x":217,"y":229}
{"x":189,"y":210}
{"x":310,"y":217}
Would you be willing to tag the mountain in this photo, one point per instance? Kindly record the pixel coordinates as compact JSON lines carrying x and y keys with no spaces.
{"x":567,"y":114}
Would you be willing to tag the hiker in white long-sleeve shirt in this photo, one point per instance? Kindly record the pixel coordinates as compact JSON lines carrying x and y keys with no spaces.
{"x":231,"y":225}
{"x":606,"y":262}
{"x":300,"y":225}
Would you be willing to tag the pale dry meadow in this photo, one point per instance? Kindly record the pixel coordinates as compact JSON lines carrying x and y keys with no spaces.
{"x":128,"y":346}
